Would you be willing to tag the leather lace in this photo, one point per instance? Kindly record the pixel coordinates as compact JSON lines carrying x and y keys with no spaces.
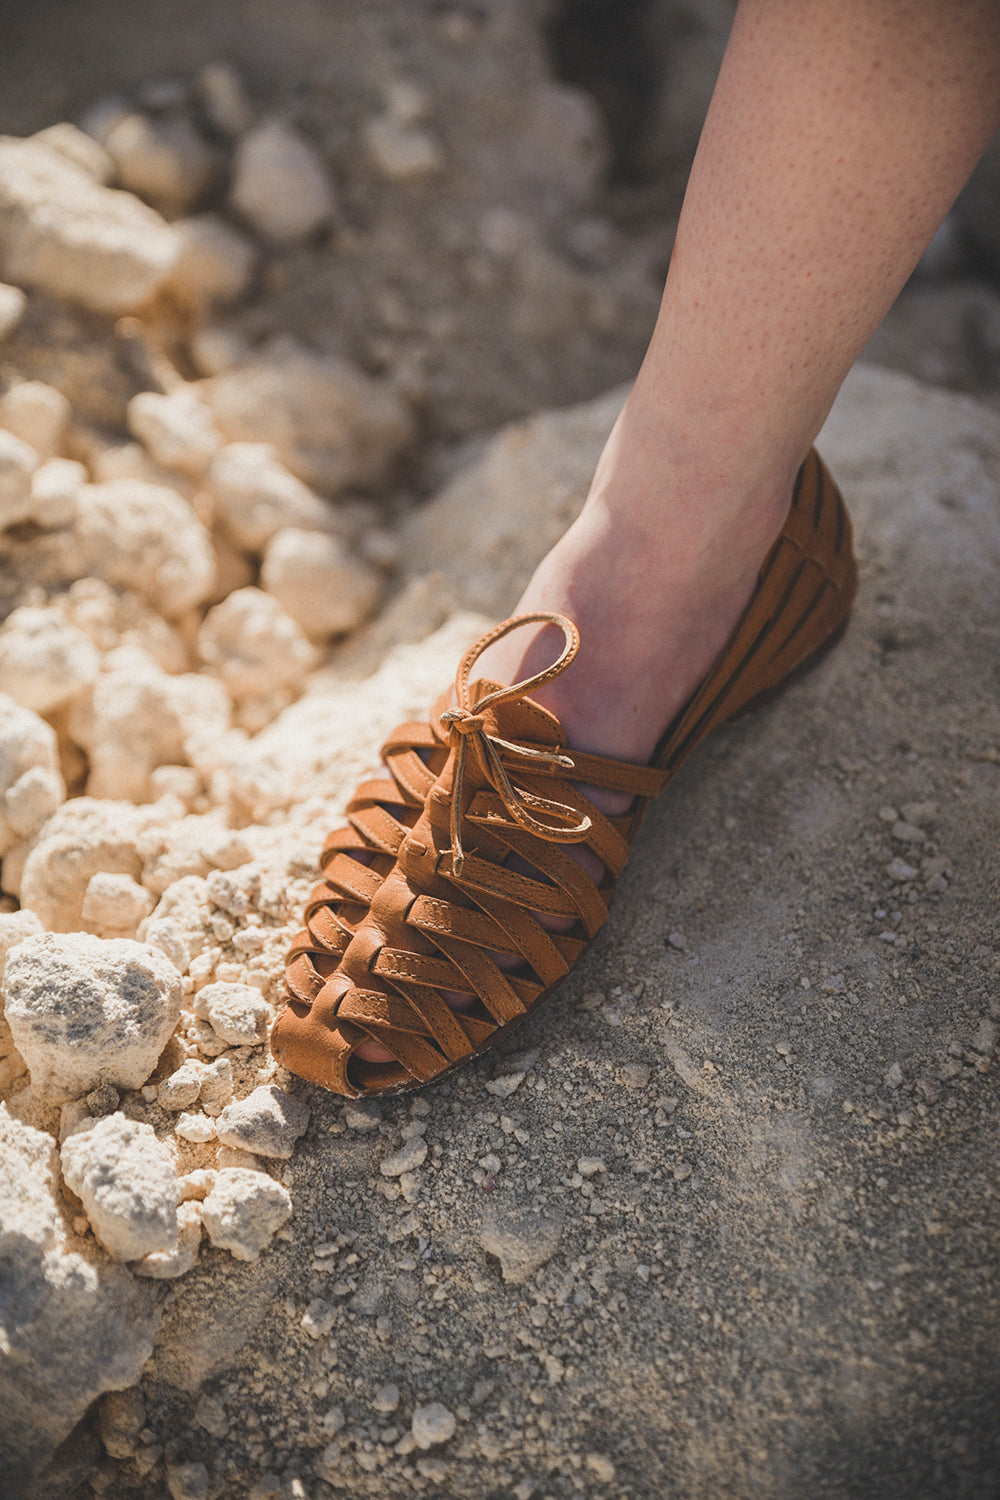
{"x":466,"y":726}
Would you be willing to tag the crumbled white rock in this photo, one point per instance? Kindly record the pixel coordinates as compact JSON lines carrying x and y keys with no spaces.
{"x":319,"y":581}
{"x":177,"y":429}
{"x":79,"y":148}
{"x":38,"y":414}
{"x":144,"y":537}
{"x":138,"y":717}
{"x":267,"y":1122}
{"x":85,"y":1011}
{"x":18,"y":463}
{"x":432,"y":1424}
{"x":31,"y":788}
{"x":244,"y":1210}
{"x":181,"y":1089}
{"x":113,"y":461}
{"x":162,"y":159}
{"x":15,"y":926}
{"x":114,"y":618}
{"x":115,"y":905}
{"x":258,"y":652}
{"x":84,"y":836}
{"x":237,"y":1013}
{"x":196,"y":1128}
{"x":44,"y":660}
{"x":12,"y":304}
{"x":64,"y":233}
{"x":196,"y":1185}
{"x":319,"y":1319}
{"x":82,"y":1324}
{"x":215,"y":262}
{"x":216,"y":1086}
{"x":280,"y":185}
{"x":127,"y":1184}
{"x":55,"y":493}
{"x":224,"y":98}
{"x":254,"y":496}
{"x":332,"y":425}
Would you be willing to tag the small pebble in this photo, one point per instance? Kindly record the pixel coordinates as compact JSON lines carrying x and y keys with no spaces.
{"x":103,"y":1101}
{"x":198,"y":1128}
{"x":432,"y":1424}
{"x":411,"y":1155}
{"x":601,"y":1467}
{"x":636,"y":1075}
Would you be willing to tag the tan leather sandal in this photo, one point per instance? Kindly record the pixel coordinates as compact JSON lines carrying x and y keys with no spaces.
{"x":416,"y":899}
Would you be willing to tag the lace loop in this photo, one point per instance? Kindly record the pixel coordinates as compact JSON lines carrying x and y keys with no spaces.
{"x":466,"y":726}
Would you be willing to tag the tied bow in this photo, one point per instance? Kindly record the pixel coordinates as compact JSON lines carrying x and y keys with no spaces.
{"x":467,"y":725}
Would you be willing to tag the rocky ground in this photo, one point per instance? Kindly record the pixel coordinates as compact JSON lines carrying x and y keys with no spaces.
{"x":722,"y":1219}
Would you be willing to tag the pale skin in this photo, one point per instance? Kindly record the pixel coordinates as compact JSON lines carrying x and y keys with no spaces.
{"x":839,"y":134}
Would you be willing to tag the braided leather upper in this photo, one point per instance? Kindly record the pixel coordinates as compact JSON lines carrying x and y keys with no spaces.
{"x":416,"y":898}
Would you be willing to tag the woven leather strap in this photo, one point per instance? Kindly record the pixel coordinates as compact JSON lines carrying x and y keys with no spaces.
{"x":419,"y":898}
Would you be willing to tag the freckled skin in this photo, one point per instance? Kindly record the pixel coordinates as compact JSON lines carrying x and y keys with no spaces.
{"x":839,"y":134}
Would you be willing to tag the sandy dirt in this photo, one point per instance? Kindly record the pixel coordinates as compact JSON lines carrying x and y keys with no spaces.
{"x":722,"y":1219}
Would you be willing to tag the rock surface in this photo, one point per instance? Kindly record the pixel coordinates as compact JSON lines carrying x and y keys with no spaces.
{"x":127,"y":1184}
{"x":244,"y":1211}
{"x":279,"y":184}
{"x":267,"y":1122}
{"x":31,"y":787}
{"x":72,"y":1326}
{"x":85,"y":1011}
{"x":64,"y":233}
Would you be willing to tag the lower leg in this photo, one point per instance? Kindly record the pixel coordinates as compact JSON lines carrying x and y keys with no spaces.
{"x":837,"y":139}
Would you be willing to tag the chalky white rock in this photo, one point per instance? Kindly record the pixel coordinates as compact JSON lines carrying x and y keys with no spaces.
{"x":45,"y":661}
{"x":244,"y":1211}
{"x":18,"y":463}
{"x":254,"y":496}
{"x":255,"y":648}
{"x":63,"y":233}
{"x":38,"y":414}
{"x":138,"y":717}
{"x":320,"y":582}
{"x":144,"y":537}
{"x":237,"y":1013}
{"x":333,"y":425}
{"x":83,"y":1324}
{"x":31,"y":787}
{"x":127,"y":1184}
{"x":176,"y":429}
{"x":280,"y":186}
{"x":162,"y":159}
{"x":215,"y":262}
{"x":267,"y":1122}
{"x":85,"y":1011}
